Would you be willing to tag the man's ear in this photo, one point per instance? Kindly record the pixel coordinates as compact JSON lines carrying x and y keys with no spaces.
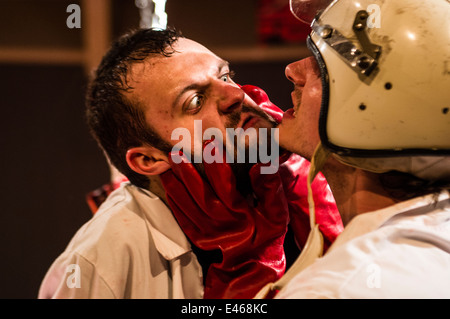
{"x":147,"y":160}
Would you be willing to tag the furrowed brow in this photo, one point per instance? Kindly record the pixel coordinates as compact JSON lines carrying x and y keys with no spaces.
{"x":196,"y":86}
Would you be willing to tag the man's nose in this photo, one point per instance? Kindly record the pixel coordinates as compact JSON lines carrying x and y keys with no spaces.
{"x":294,"y":73}
{"x":298,"y":71}
{"x":229,"y":97}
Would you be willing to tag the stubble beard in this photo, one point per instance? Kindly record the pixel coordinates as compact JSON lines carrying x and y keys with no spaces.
{"x":240,"y":170}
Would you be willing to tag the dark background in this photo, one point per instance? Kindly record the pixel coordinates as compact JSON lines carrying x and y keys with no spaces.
{"x":49,"y":162}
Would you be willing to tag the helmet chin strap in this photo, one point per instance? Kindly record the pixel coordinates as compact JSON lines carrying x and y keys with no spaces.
{"x":314,"y":245}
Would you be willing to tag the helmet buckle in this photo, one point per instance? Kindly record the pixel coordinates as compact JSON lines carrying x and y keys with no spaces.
{"x":362,"y":58}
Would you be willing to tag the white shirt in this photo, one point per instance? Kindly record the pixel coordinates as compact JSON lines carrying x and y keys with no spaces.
{"x":131,"y":248}
{"x":402,"y":251}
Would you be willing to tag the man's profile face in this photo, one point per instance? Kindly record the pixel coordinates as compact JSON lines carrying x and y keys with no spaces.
{"x":191,"y":85}
{"x":299,"y":131}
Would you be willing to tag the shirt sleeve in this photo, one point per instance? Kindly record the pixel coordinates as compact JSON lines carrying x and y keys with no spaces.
{"x":74,"y":277}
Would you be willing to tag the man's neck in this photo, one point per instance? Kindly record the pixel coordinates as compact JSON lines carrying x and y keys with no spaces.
{"x":356,"y":191}
{"x":157,"y":188}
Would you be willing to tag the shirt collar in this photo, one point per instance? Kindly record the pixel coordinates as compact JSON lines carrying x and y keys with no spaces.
{"x":368,"y":222}
{"x":169,"y":239}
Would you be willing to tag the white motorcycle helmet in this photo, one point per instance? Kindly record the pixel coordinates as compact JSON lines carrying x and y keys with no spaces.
{"x":385,"y":67}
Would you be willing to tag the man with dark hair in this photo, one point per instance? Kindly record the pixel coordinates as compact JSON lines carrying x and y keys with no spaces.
{"x":149,"y":85}
{"x":109,"y":103}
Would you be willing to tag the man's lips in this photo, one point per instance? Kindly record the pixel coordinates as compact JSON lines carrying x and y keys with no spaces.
{"x":290,"y":114}
{"x":250,"y":121}
{"x":296,"y":98}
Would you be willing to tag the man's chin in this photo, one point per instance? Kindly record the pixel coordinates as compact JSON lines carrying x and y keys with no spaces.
{"x":288,"y":136}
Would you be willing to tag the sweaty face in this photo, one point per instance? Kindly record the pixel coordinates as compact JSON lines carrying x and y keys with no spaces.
{"x":299,"y":130}
{"x":192,"y":85}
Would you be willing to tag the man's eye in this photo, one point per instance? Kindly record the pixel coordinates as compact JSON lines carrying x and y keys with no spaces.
{"x":227,"y":77}
{"x":195,"y":103}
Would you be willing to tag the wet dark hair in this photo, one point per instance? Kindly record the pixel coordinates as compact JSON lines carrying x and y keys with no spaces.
{"x":117,"y":122}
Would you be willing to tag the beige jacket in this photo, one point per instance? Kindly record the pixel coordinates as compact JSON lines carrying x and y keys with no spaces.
{"x":131,"y":248}
{"x":402,"y":251}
